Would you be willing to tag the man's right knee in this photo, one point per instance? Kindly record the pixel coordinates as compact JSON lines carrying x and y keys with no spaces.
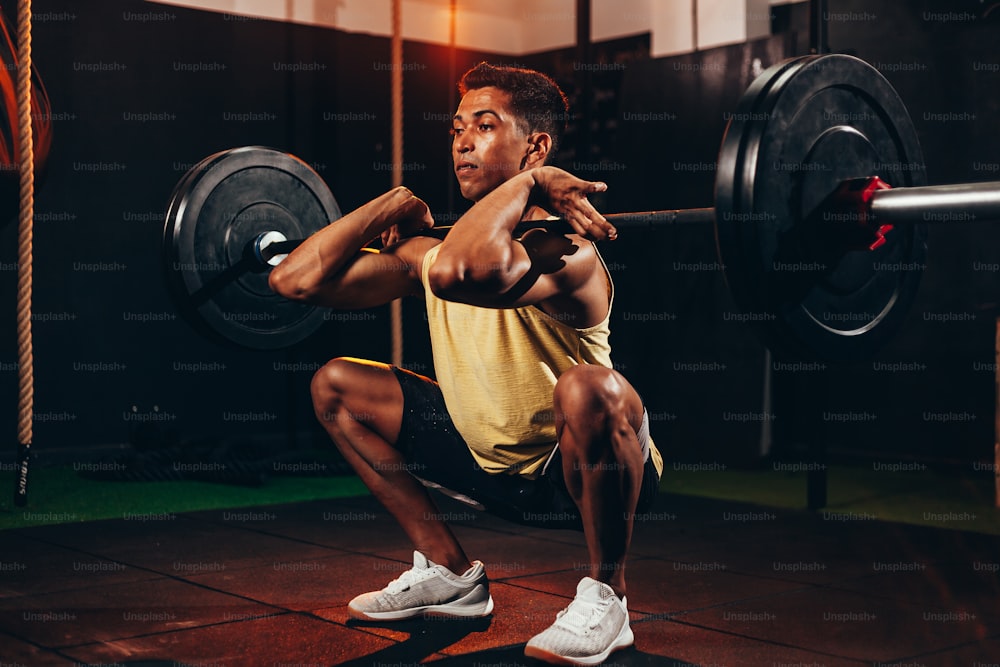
{"x":361,"y":391}
{"x":329,"y":386}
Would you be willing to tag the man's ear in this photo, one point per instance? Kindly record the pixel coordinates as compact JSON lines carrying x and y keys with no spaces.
{"x":539,"y":146}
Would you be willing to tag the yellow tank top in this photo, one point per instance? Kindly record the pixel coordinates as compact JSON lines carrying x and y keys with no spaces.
{"x":497,"y":369}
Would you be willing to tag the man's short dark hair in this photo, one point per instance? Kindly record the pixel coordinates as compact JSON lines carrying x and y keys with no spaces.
{"x":536,"y":100}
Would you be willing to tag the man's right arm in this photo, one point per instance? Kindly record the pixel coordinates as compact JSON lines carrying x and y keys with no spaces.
{"x":333,"y":268}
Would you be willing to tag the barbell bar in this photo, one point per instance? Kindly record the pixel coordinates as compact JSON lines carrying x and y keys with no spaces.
{"x":271,"y":247}
{"x":820,"y":208}
{"x":957,"y":202}
{"x":960,"y":202}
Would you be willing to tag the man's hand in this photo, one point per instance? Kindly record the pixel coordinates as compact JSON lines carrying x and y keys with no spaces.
{"x":567,"y":195}
{"x":412,"y":216}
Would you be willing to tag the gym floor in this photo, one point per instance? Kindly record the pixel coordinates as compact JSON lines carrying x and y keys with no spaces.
{"x":712,"y":582}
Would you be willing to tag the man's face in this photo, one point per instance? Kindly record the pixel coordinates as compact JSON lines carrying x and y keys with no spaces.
{"x":487,"y":148}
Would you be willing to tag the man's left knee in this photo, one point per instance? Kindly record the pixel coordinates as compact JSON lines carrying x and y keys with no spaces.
{"x":596,"y":394}
{"x":590,"y":388}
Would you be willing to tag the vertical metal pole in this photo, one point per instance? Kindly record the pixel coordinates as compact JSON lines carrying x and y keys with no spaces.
{"x":818,"y":27}
{"x":816,"y":480}
{"x":291,"y":400}
{"x":452,"y":76}
{"x":767,"y":405}
{"x":818,"y":438}
{"x":584,"y":80}
{"x":996,"y":417}
{"x":290,"y":92}
{"x":694,"y":25}
{"x":396,"y":308}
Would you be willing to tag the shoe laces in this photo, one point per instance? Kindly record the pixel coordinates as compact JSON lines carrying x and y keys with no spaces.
{"x":407,"y":579}
{"x":581,"y":616}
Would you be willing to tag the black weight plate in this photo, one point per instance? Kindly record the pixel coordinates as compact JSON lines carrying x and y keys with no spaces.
{"x":216,"y":211}
{"x":801,"y":128}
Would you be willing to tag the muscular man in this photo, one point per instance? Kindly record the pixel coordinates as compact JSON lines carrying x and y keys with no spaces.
{"x":527,"y":418}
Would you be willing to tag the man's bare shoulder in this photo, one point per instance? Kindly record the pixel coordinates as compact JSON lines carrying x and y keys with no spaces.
{"x":582,"y":296}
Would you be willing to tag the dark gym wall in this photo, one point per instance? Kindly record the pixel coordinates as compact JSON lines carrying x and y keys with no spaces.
{"x":930,"y":394}
{"x":141,"y":91}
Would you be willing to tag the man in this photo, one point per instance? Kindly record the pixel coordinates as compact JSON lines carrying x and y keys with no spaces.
{"x":519,"y":335}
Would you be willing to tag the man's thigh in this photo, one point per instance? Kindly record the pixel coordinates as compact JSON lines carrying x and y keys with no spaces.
{"x":439,"y":457}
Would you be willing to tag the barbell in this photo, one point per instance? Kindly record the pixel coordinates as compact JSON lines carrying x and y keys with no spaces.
{"x":820,"y":210}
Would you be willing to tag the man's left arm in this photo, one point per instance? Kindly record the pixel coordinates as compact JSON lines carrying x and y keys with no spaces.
{"x":481,"y":263}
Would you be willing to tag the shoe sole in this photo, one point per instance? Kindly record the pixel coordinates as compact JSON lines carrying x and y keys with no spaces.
{"x":623,"y":640}
{"x":450,"y":610}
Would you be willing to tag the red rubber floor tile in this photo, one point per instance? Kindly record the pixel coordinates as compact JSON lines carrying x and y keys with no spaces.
{"x":305,"y":584}
{"x":842,"y":623}
{"x":291,"y":639}
{"x":118,"y":611}
{"x":30,"y":567}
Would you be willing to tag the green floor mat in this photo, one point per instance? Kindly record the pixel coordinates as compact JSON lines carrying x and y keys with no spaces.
{"x":903,"y":493}
{"x":61,"y":495}
{"x":922,"y":497}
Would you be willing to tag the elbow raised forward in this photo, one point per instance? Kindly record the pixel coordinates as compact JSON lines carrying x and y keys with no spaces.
{"x":290,"y":285}
{"x":449,"y":278}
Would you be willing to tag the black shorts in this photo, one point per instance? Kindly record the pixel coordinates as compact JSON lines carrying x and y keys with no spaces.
{"x":438,"y":456}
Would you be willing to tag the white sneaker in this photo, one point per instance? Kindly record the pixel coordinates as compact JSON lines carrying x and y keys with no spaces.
{"x":427,"y":589}
{"x":586,"y":632}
